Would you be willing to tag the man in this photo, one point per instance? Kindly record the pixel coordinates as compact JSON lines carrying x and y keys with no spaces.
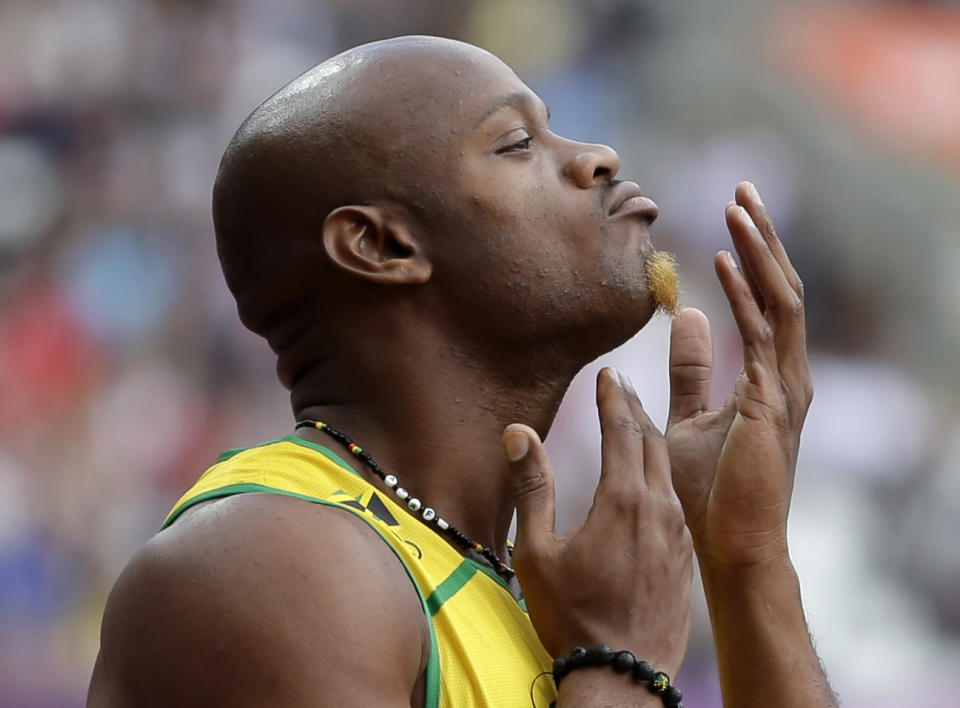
{"x":432,"y":266}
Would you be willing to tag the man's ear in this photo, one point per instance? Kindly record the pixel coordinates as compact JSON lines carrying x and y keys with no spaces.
{"x":369,"y":242}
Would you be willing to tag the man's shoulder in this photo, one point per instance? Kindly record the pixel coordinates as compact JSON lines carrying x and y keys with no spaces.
{"x":255,"y":583}
{"x":266,"y":523}
{"x":269,"y":554}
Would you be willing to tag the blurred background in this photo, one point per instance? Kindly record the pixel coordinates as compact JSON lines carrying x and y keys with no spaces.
{"x":124,"y":370}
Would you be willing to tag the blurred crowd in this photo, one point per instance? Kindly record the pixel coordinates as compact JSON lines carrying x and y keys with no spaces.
{"x":124,"y":369}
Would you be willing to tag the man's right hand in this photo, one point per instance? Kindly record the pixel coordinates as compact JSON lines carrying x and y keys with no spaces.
{"x":623,"y":577}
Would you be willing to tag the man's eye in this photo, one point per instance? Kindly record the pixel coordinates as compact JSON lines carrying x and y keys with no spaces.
{"x":520,"y":146}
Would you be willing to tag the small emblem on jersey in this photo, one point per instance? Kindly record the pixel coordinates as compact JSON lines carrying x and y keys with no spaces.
{"x":375,"y":506}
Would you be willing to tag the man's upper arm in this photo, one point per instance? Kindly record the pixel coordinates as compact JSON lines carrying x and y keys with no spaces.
{"x":262,"y":600}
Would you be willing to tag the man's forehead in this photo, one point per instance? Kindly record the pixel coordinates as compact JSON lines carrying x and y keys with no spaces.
{"x":469,"y":92}
{"x":454,"y":92}
{"x":523,"y":100}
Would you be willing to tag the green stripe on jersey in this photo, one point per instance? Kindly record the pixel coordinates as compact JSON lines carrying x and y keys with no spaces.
{"x":451,"y":586}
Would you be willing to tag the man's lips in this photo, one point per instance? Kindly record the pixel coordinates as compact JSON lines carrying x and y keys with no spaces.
{"x":627,"y":199}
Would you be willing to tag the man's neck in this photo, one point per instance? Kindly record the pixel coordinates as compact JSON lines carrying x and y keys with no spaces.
{"x":434,"y":420}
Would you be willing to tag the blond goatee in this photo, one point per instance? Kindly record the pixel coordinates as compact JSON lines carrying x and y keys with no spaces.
{"x":663,"y":281}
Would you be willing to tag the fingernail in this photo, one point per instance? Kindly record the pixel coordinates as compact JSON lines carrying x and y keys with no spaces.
{"x":755,"y":194}
{"x":731,"y":260}
{"x":613,"y":375}
{"x":625,"y":381}
{"x":516,"y":445}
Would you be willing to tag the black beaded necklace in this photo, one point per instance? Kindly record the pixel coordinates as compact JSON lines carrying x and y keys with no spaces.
{"x":427,"y":514}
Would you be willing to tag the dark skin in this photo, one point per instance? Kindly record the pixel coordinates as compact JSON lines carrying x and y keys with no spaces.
{"x":466,"y":288}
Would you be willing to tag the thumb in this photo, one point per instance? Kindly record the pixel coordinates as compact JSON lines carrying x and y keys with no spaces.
{"x":532,"y":484}
{"x":691,"y":361}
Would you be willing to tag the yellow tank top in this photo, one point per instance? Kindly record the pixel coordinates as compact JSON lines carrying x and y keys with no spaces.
{"x":484,"y":651}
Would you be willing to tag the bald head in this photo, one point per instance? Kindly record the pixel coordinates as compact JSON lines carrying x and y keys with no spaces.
{"x":427,"y":164}
{"x":369,"y":126}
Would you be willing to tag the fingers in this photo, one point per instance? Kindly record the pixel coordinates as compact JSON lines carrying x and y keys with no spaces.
{"x":746,"y":195}
{"x":656,"y":458}
{"x":634,"y":453}
{"x":776,"y":293}
{"x":691,"y":362}
{"x":755,"y":332}
{"x":745,"y":265}
{"x":771,"y":281}
{"x":532,"y":484}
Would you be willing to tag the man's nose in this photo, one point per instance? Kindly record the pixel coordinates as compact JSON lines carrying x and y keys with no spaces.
{"x":592,"y":163}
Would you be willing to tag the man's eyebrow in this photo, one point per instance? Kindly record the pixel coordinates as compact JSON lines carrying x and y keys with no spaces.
{"x":518,"y":100}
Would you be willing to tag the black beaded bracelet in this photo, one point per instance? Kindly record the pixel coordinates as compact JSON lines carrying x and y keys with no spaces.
{"x":622,"y":662}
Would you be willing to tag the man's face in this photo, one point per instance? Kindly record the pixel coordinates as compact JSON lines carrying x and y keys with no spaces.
{"x":533,"y":236}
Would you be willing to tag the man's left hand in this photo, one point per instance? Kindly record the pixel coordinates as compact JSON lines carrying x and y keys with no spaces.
{"x":733,"y":467}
